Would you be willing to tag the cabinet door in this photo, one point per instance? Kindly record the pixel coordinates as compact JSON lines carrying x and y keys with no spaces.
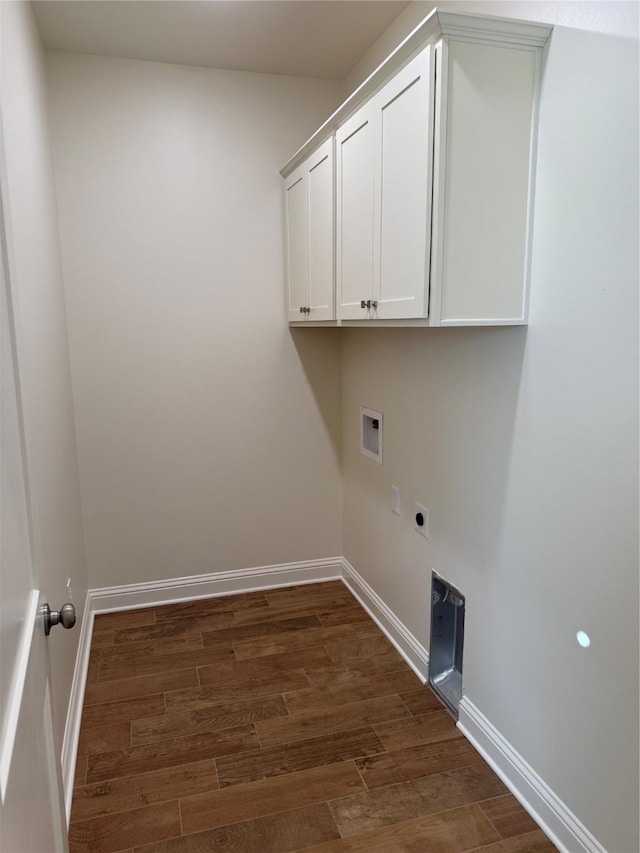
{"x":297,"y":237}
{"x":320,"y":177}
{"x":354,"y":213}
{"x":403,"y":180}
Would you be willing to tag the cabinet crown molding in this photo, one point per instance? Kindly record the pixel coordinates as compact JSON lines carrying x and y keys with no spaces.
{"x":438,"y":24}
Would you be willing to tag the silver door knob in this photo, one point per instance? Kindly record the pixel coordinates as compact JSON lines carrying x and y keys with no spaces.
{"x":66,"y":617}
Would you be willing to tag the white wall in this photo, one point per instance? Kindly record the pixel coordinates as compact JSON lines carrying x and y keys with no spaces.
{"x":208,"y":435}
{"x":523,"y":443}
{"x":43,"y":357}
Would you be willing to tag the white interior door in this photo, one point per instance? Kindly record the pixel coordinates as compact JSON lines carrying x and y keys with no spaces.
{"x":31,"y":816}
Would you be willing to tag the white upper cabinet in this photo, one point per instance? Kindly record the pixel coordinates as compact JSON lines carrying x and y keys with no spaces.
{"x":355,"y":212}
{"x":403,"y":162}
{"x":297,"y":233}
{"x":383,"y":208}
{"x":485,"y":184}
{"x":434,"y":182}
{"x":309,"y":210}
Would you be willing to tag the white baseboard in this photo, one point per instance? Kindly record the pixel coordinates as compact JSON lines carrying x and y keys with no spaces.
{"x":112,"y":598}
{"x":398,"y":634}
{"x":549,"y":812}
{"x":74,"y":711}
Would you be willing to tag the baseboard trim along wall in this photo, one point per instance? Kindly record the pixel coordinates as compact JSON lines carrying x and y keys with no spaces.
{"x":550,"y":813}
{"x":74,"y":711}
{"x":560,"y":824}
{"x":396,"y":632}
{"x":113,"y":598}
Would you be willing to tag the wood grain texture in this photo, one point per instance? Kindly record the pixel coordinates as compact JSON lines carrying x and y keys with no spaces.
{"x":132,"y":792}
{"x":267,"y":684}
{"x":80,"y":774}
{"x":101,"y":638}
{"x":293,"y":608}
{"x":421,"y":701}
{"x":345,"y":616}
{"x":533,"y":842}
{"x":209,"y":606}
{"x":408,"y":800}
{"x":315,"y":723}
{"x":290,"y":641}
{"x":308,"y":592}
{"x":257,"y":799}
{"x":279,"y":720}
{"x":94,"y":665}
{"x":244,"y":672}
{"x":113,"y":669}
{"x":144,"y":648}
{"x":178,"y":628}
{"x":356,"y":690}
{"x":123,"y":619}
{"x":104,"y":738}
{"x":258,"y":629}
{"x":280,"y":833}
{"x":447,"y":832}
{"x":346,"y":671}
{"x":427,"y":728}
{"x":169,"y":753}
{"x":122,"y":711}
{"x":508,"y":816}
{"x":415,"y":761}
{"x":209,"y":719}
{"x":116,"y":831}
{"x":357,"y":647}
{"x":313,"y":752}
{"x":144,"y":685}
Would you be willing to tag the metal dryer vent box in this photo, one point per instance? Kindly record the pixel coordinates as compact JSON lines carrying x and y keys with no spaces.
{"x":447,"y":639}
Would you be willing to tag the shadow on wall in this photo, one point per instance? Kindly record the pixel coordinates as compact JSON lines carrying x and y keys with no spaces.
{"x":472,"y":411}
{"x":450,"y":399}
{"x":319,"y":351}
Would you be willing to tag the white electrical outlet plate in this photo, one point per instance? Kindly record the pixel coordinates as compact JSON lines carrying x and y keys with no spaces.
{"x":395,"y":499}
{"x":421,"y":519}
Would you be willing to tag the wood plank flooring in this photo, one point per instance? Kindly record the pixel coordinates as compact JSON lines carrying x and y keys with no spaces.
{"x":273,"y":722}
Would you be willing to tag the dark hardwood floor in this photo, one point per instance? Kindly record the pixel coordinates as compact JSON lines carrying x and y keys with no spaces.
{"x":271,"y":722}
